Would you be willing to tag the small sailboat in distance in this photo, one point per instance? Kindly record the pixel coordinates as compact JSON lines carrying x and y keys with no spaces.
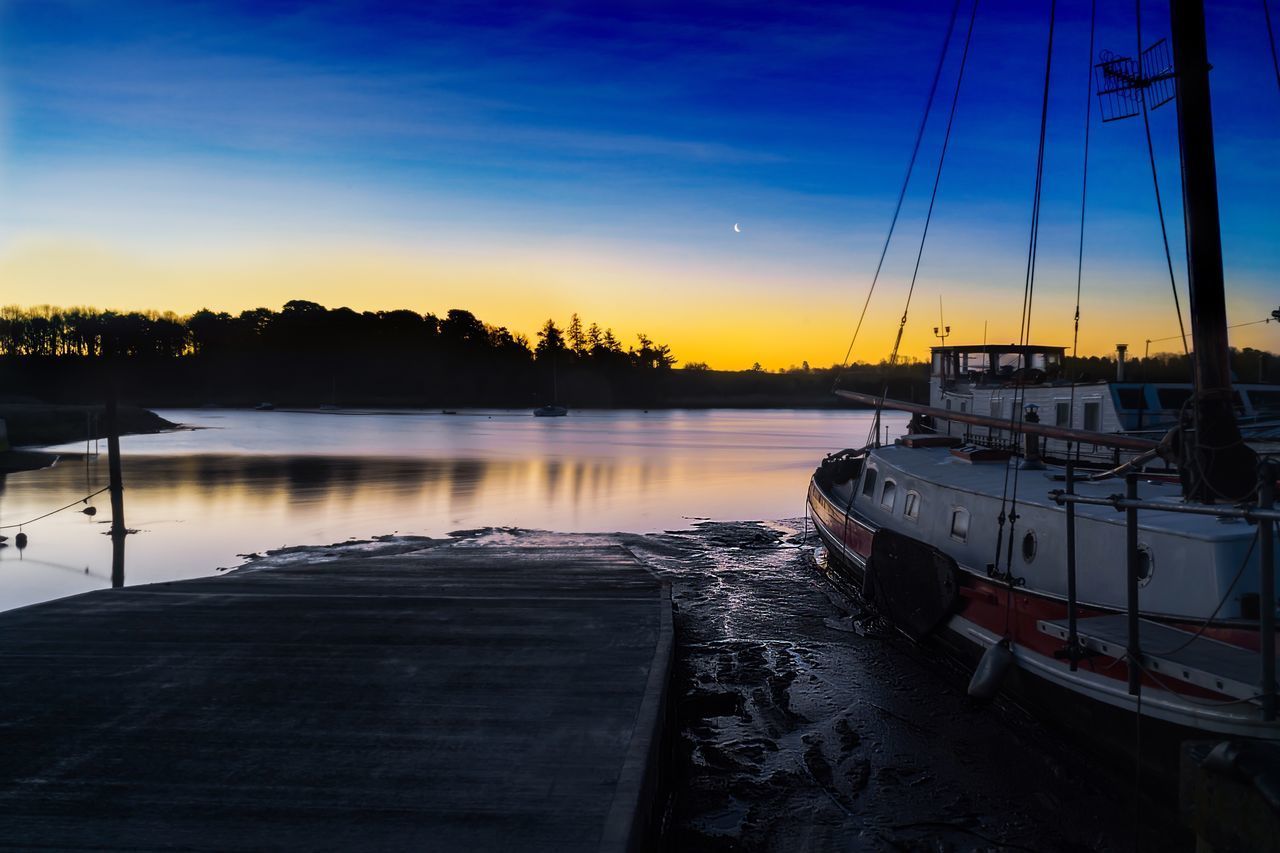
{"x":552,"y":409}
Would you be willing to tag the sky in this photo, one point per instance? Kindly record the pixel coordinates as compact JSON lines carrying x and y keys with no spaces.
{"x":527,"y":161}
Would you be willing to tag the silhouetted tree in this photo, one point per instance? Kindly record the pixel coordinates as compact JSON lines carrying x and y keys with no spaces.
{"x":576,"y":338}
{"x":550,"y":341}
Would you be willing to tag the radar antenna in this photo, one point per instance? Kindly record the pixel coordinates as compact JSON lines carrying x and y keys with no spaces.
{"x":1122,"y":81}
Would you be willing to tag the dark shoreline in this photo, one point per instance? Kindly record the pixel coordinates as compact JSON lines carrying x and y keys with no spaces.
{"x":35,"y":425}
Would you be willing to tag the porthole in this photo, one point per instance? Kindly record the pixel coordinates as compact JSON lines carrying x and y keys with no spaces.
{"x":1146,"y":565}
{"x":1029,"y":546}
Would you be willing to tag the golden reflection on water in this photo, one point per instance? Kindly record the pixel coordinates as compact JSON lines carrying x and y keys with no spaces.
{"x":200,"y":498}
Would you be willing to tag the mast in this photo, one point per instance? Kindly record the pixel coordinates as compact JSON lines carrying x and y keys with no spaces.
{"x":1216,"y":462}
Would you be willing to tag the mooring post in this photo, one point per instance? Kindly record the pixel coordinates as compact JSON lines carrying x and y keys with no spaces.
{"x":1073,"y":640}
{"x":1267,"y":589}
{"x":1131,"y":565}
{"x":115,"y":486}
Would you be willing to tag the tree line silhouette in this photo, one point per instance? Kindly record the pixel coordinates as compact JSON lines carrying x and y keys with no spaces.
{"x":307,"y":354}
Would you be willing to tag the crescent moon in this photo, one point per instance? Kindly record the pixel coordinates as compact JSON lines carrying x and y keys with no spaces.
{"x":736,"y":229}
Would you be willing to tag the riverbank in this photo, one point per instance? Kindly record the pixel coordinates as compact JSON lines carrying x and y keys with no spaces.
{"x":297,"y":380}
{"x":43,"y":424}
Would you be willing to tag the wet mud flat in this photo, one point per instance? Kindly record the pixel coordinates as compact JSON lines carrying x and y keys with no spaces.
{"x":800,"y":724}
{"x":806,"y":726}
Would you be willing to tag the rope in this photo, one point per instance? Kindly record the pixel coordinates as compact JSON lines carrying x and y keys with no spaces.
{"x":1137,"y":762}
{"x":1271,"y":41}
{"x":1028,"y":296}
{"x":1155,"y":181}
{"x":933,"y":197}
{"x":1209,"y":620}
{"x":902,"y":193}
{"x":1084,"y":195}
{"x":804,"y":538}
{"x":56,"y":511}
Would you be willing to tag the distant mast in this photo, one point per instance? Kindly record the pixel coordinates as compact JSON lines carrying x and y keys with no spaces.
{"x":1219,"y":465}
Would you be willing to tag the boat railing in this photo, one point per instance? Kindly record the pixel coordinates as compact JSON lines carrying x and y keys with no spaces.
{"x":992,"y":441}
{"x":1261,"y":512}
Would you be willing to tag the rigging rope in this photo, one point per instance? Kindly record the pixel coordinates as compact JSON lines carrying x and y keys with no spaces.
{"x":1084,"y":195}
{"x":1028,"y":295}
{"x":933,"y":197}
{"x":56,"y":511}
{"x":902,"y":193}
{"x":1155,"y":181}
{"x":1271,"y":41}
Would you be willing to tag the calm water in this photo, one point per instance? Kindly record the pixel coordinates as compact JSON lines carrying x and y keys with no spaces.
{"x":252,"y":481}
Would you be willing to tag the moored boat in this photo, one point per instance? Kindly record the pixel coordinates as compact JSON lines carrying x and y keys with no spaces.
{"x":1115,"y":563}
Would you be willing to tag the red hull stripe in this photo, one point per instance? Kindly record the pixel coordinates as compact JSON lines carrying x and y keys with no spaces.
{"x":1014,"y":613}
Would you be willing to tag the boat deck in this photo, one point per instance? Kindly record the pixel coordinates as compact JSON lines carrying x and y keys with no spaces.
{"x":939,"y":465}
{"x":1170,"y":653}
{"x":447,"y":698}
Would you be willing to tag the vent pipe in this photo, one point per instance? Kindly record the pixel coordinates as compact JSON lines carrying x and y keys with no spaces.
{"x":1121,"y":350}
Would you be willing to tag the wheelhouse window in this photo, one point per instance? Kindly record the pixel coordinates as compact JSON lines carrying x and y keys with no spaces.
{"x":959,"y":523}
{"x":911,"y":505}
{"x":1093,"y":415}
{"x":869,"y":482}
{"x":888,"y":495}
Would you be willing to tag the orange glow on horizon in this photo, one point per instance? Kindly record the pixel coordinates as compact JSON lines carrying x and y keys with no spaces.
{"x":704,"y":314}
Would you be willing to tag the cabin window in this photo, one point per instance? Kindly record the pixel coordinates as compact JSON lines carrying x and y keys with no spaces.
{"x":962,"y":405}
{"x":1093,"y":415}
{"x":1029,"y":546}
{"x":1131,"y":398}
{"x":959,"y":523}
{"x":887,"y":496}
{"x":1062,"y":413}
{"x":1173,"y":398}
{"x":1265,"y":402}
{"x":948,"y":402}
{"x":911,"y":505}
{"x":869,"y":482}
{"x":995,"y":407}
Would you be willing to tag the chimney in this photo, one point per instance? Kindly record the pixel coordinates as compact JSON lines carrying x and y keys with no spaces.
{"x":1121,"y":349}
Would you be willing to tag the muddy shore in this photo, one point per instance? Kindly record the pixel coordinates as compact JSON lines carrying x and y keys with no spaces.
{"x":800,"y":725}
{"x":42,"y":424}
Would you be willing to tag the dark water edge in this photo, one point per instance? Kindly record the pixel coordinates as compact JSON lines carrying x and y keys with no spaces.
{"x":795,"y":732}
{"x":39,"y":424}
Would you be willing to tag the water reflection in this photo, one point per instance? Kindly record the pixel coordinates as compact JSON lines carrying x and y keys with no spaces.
{"x":257,"y":481}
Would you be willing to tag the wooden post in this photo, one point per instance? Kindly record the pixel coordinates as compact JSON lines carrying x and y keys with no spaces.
{"x":1073,"y":640}
{"x":115,"y":487}
{"x":1131,"y":565}
{"x":1267,"y":589}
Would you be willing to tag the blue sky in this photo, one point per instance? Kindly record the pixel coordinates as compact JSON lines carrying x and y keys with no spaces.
{"x":529,"y":160}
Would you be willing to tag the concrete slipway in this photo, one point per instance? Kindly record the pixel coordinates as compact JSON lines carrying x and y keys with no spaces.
{"x":433,"y":697}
